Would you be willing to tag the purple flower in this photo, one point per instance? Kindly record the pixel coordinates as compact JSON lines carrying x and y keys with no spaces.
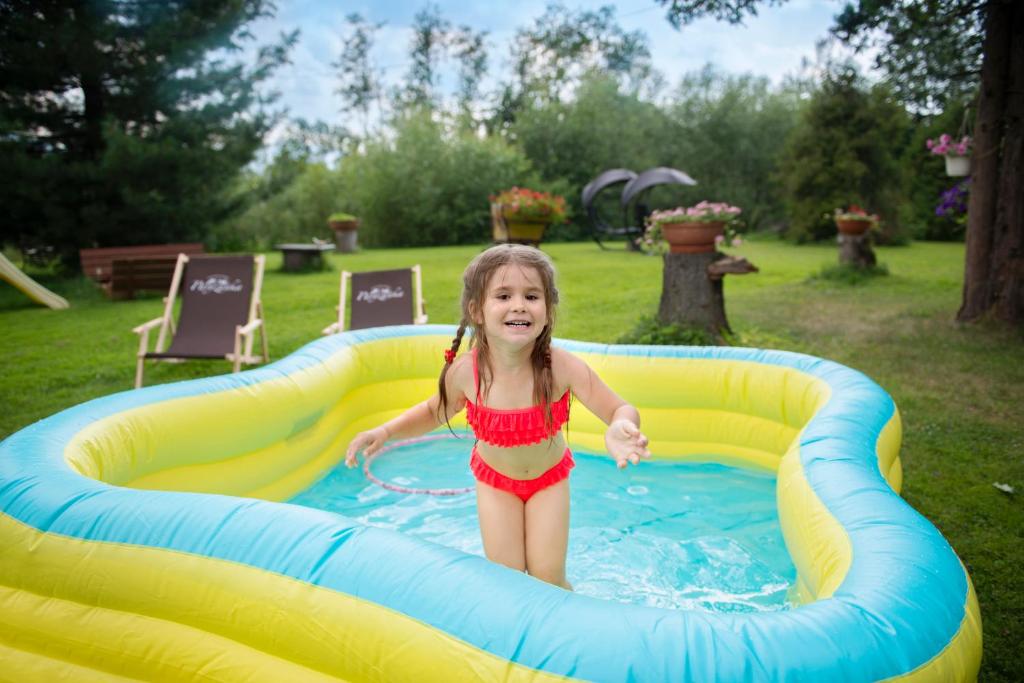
{"x":953,"y":202}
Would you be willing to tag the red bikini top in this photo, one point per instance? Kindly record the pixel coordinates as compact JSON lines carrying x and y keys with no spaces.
{"x":514,"y":427}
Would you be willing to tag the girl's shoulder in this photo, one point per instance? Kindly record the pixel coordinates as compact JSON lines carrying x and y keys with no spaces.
{"x":567,"y":369}
{"x":460,"y":374}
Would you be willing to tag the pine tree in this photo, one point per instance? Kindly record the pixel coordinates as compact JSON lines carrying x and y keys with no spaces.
{"x":122,"y":121}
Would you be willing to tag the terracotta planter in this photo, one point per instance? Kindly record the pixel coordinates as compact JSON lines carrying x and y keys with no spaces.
{"x":692,"y":238}
{"x":957,"y":165}
{"x":344,"y":225}
{"x":852,"y":226}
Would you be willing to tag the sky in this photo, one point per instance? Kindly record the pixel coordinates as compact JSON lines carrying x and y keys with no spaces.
{"x":772,"y":44}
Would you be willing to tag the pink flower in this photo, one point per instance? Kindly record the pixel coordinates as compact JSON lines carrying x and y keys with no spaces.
{"x":946,"y":145}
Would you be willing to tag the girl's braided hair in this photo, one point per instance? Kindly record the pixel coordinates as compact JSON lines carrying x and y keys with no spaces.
{"x":475,"y":280}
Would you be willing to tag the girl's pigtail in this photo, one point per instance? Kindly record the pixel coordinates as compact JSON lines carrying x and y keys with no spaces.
{"x":543,"y":377}
{"x":449,"y":358}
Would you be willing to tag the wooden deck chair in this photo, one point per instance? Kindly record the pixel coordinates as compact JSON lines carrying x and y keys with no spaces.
{"x":220,"y":307}
{"x":380,"y":297}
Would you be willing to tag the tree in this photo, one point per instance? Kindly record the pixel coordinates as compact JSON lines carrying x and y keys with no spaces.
{"x":551,"y":58}
{"x":931,"y":51}
{"x":121,"y":122}
{"x":430,"y":39}
{"x":471,"y":54}
{"x":728,"y":133}
{"x":358,"y":78}
{"x":844,"y":152}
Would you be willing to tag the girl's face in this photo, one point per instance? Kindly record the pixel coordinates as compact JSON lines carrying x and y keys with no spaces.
{"x":514,"y":311}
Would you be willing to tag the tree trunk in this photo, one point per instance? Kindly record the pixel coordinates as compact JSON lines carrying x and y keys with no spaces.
{"x":690,"y":297}
{"x":88,"y":23}
{"x":856,"y":251}
{"x":994,"y":266}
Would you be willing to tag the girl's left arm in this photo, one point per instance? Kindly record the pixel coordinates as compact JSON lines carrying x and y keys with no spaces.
{"x":623,"y":438}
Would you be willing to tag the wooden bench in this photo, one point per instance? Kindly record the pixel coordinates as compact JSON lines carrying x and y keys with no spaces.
{"x":122,"y":271}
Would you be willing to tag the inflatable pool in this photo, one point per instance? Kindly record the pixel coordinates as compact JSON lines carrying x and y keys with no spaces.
{"x":139,"y":537}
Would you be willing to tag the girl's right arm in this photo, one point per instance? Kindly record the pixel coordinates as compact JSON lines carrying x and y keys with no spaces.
{"x":419,"y":419}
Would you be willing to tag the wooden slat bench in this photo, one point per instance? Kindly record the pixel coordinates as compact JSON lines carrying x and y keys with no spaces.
{"x":122,"y":271}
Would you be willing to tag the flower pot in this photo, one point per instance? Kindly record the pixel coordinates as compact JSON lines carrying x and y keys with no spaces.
{"x":852,"y":226}
{"x":692,"y":238}
{"x":506,"y":229}
{"x":344,"y":225}
{"x":345,"y":235}
{"x":526,"y":232}
{"x":957,"y":165}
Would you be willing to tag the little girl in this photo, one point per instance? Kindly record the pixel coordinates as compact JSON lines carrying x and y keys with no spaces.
{"x":515,"y":388}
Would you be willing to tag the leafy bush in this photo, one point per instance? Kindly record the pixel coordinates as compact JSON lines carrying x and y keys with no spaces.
{"x":649,"y":331}
{"x":849,"y":275}
{"x":425,"y":186}
{"x":296,"y":213}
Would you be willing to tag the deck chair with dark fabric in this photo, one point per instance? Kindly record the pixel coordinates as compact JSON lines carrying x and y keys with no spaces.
{"x":220,"y":308}
{"x":380,"y":297}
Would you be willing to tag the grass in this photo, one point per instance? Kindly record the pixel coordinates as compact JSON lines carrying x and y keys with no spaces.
{"x":958,"y":387}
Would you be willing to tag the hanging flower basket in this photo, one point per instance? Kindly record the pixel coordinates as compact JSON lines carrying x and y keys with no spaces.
{"x":957,"y":154}
{"x":957,"y":166}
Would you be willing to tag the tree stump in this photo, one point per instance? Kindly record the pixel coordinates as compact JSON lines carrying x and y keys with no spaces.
{"x":856,"y":251}
{"x":691,"y":290}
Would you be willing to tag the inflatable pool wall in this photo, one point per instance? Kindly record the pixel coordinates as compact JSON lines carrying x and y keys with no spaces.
{"x":138,"y":537}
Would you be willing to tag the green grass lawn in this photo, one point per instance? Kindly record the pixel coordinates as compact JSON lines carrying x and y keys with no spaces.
{"x":958,"y":387}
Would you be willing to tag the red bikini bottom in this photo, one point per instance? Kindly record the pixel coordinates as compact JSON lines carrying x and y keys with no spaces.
{"x":524,"y":488}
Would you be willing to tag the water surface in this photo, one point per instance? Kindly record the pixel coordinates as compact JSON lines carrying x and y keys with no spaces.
{"x":664,"y":534}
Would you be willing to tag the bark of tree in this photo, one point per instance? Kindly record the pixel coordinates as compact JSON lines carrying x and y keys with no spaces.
{"x":690,"y":297}
{"x":856,"y":251}
{"x":994,"y":266}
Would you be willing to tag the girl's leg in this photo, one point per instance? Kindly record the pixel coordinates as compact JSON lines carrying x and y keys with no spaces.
{"x":547,"y":533}
{"x":501,"y":526}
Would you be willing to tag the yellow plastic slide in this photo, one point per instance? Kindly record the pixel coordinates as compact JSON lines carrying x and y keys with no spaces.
{"x":34,"y":290}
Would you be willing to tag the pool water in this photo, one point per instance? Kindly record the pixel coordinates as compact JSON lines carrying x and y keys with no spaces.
{"x":663,"y":534}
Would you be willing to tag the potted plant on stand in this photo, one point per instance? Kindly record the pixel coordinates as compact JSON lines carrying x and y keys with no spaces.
{"x":854,"y":220}
{"x":345,"y":227}
{"x":522,"y":215}
{"x":854,"y":224}
{"x":957,"y":154}
{"x":692,"y":290}
{"x":692,"y":229}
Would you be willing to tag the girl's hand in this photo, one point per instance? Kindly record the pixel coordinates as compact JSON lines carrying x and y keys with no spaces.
{"x":368,"y":442}
{"x":626,"y":443}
